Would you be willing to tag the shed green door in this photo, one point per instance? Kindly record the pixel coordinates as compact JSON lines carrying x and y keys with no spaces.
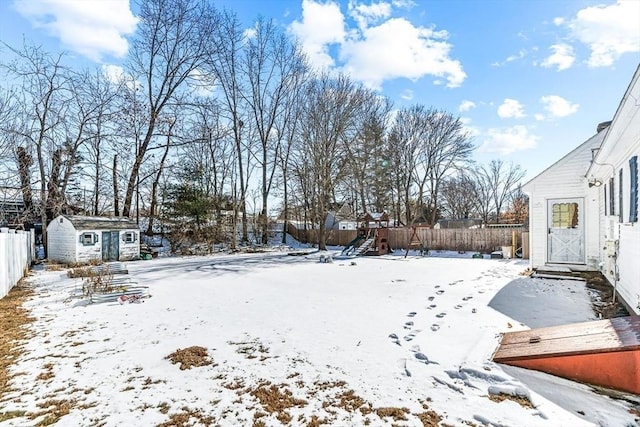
{"x":110,"y":246}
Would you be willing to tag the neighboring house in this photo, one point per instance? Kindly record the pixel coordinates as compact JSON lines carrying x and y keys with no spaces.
{"x":337,"y":221}
{"x":583,"y":209}
{"x":458,"y":223}
{"x":80,"y":239}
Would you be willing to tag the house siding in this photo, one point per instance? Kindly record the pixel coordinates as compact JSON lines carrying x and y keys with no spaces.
{"x":129,"y":251}
{"x":88,"y":253}
{"x":563,"y":180}
{"x":61,"y":245}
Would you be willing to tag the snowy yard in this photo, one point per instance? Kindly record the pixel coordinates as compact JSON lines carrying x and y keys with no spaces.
{"x":291,"y":341}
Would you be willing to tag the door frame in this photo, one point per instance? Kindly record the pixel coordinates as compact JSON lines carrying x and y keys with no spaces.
{"x":580,"y":227}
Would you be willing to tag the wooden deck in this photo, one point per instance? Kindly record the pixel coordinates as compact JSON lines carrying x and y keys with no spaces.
{"x":603,"y":352}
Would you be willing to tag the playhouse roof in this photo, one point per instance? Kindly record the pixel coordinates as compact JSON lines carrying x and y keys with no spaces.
{"x":375,"y":216}
{"x":100,"y":222}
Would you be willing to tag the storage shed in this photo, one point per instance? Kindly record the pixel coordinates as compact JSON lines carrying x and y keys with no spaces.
{"x":80,"y":239}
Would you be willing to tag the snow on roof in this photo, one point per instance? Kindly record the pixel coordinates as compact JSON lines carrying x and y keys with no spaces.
{"x":100,"y":222}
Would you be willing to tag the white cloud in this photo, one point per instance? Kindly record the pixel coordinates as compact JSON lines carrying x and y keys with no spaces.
{"x":558,"y":106}
{"x":409,"y":51}
{"x":521,"y":54}
{"x":609,"y":31}
{"x":322,"y":24}
{"x":511,"y":108}
{"x":366,"y":15}
{"x":562,"y":57}
{"x":92,"y":28}
{"x":468,"y":128}
{"x":509,"y":140}
{"x":407,"y":95}
{"x":539,"y":117}
{"x":466,"y":105}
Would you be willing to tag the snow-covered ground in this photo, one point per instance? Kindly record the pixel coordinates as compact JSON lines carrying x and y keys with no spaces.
{"x":292,"y":341}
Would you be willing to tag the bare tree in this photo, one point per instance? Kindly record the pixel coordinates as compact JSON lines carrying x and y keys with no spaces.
{"x":273,"y":66}
{"x":459,"y":196}
{"x":331,"y":106}
{"x":42,"y":101}
{"x":171,"y":45}
{"x":504,"y":180}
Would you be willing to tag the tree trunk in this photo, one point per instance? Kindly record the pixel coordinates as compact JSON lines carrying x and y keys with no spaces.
{"x":116,"y":203}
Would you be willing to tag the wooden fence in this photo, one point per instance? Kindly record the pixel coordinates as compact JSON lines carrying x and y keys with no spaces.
{"x":478,"y":240}
{"x":17,"y":251}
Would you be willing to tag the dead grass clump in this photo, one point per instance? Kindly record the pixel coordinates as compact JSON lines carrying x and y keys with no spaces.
{"x":4,"y":416}
{"x":521,"y":400}
{"x":349,"y":401}
{"x":398,"y":414}
{"x":277,"y":399}
{"x":183,"y":419}
{"x":429,"y":418}
{"x":52,"y":266}
{"x":53,"y":411}
{"x":190,"y":357}
{"x":14,"y":319}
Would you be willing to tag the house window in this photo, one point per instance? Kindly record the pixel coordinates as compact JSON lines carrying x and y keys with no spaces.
{"x":620,"y":198}
{"x":88,"y":239}
{"x":606,"y":201}
{"x":565,"y":215}
{"x":633,"y":200}
{"x":129,"y":237}
{"x":612,"y":197}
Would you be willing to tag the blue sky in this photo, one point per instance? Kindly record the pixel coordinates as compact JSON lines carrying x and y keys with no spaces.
{"x":530,"y":78}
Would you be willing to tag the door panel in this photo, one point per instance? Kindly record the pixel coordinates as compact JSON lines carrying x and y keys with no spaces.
{"x":565,"y":238}
{"x":110,"y":246}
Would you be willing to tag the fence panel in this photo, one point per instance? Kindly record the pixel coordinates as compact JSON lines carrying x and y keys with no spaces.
{"x":17,"y":251}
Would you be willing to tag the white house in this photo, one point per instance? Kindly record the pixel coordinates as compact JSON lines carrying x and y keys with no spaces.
{"x":80,"y":239}
{"x":583,"y":210}
{"x":615,"y":169}
{"x":563,"y":211}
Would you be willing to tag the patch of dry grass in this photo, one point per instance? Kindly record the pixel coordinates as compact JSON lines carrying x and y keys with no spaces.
{"x":277,"y":399}
{"x":190,"y":357}
{"x":521,"y":400}
{"x":183,"y":419}
{"x":14,"y":320}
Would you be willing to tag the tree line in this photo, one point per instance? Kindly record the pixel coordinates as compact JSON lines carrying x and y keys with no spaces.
{"x":208,"y":122}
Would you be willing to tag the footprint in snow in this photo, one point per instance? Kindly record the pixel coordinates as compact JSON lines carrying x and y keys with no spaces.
{"x":466,"y":298}
{"x":424,"y":359}
{"x":431,"y":298}
{"x":441,"y":315}
{"x":457,"y":307}
{"x":410,"y":336}
{"x":415,"y":348}
{"x":411,"y":314}
{"x":440,"y":292}
{"x":394,"y":339}
{"x":432,"y":306}
{"x":408,"y":325}
{"x":435,"y":327}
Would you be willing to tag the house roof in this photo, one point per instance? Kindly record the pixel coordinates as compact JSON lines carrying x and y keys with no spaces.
{"x":100,"y":222}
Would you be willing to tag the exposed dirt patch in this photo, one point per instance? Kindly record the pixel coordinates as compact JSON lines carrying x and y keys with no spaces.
{"x":190,"y":357}
{"x":14,"y":320}
{"x":52,"y":410}
{"x":521,"y":400}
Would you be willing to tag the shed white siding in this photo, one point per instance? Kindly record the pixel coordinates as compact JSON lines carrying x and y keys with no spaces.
{"x":565,"y":179}
{"x":86,"y":253}
{"x":61,"y":241}
{"x":66,"y":240}
{"x":129,"y":250}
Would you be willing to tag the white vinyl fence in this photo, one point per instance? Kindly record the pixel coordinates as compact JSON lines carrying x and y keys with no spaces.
{"x":17,"y":250}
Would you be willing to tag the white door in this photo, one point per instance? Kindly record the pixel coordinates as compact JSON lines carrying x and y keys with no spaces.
{"x":565,"y":237}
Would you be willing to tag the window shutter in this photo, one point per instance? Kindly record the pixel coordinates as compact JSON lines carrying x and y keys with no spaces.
{"x":633,"y":191}
{"x":606,"y":201}
{"x":612,"y":197}
{"x":620,"y":198}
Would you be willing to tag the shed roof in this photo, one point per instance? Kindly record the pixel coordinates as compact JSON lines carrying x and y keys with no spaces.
{"x":101,"y":222}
